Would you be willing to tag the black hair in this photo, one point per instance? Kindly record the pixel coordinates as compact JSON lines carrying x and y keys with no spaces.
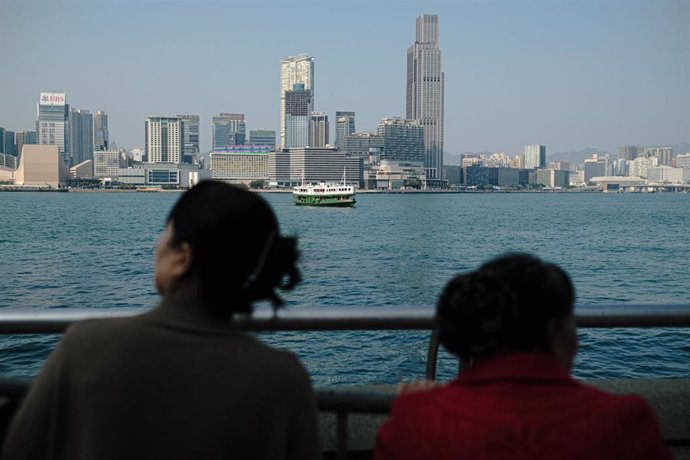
{"x":505,"y":305}
{"x":238,"y":255}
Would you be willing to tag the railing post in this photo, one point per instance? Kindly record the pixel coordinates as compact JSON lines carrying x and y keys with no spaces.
{"x":341,"y":435}
{"x":432,"y":355}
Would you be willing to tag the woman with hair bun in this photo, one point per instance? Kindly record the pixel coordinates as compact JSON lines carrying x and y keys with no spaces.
{"x":512,"y":327}
{"x":180,"y":381}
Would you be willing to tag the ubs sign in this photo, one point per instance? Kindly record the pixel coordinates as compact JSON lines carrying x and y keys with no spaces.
{"x":52,"y":99}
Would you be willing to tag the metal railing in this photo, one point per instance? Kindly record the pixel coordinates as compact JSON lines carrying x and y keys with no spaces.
{"x":342,"y":403}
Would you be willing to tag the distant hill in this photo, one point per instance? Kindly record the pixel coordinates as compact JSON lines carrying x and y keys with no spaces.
{"x":580,"y":156}
{"x":679,"y":149}
{"x":575,"y":158}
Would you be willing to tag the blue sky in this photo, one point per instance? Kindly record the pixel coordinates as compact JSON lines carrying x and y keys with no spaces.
{"x":569,"y":74}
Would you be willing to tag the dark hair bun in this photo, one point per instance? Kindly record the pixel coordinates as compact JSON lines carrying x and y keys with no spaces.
{"x":475,"y":314}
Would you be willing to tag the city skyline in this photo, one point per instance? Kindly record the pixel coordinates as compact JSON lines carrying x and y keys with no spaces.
{"x":590,"y":75}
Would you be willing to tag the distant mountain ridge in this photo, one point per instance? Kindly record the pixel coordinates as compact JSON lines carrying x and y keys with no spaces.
{"x":577,"y":157}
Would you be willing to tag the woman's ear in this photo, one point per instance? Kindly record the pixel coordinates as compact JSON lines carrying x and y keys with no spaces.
{"x":182,"y":261}
{"x":562,"y":336}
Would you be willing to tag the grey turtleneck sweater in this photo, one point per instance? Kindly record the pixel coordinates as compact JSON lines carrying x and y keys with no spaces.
{"x":171,"y":383}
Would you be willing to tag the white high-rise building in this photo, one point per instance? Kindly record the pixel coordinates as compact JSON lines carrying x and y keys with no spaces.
{"x":425,"y":88}
{"x":164,"y":139}
{"x":535,"y":156}
{"x":52,"y":123}
{"x":296,"y":72}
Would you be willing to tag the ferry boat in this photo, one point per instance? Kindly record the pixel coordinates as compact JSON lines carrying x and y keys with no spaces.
{"x":323,"y":194}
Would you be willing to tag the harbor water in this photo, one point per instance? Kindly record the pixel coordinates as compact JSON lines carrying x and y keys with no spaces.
{"x":95,"y":250}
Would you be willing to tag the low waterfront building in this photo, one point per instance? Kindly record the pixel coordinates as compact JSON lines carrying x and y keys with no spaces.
{"x":392,"y":174}
{"x":452,"y":174}
{"x":241,"y":164}
{"x":554,"y":178}
{"x":163,"y":174}
{"x":83,"y":170}
{"x":107,"y":162}
{"x":288,"y":167}
{"x":683,"y":161}
{"x":480,"y":176}
{"x":41,"y":166}
{"x":665,"y":174}
{"x":615,"y":183}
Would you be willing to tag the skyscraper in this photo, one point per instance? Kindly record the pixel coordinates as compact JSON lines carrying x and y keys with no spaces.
{"x":319,"y":129}
{"x":100,"y":121}
{"x":190,"y":137}
{"x":425,"y":87}
{"x":344,"y":126}
{"x":297,"y":125}
{"x":52,"y":123}
{"x":164,"y":139}
{"x":295,"y":70}
{"x":535,"y":156}
{"x":228,"y":129}
{"x":81,"y":136}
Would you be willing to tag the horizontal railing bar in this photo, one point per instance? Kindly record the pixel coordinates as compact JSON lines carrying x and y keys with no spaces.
{"x":47,"y":321}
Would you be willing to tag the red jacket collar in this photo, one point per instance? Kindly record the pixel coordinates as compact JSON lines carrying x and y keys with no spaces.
{"x":527,"y":367}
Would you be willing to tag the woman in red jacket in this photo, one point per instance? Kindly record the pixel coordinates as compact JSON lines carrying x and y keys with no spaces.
{"x":511,"y":325}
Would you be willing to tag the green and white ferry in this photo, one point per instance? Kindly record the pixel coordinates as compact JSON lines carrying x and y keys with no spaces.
{"x":322,"y":194}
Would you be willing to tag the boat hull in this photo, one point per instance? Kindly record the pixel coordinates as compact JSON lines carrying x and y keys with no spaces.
{"x":325,"y":202}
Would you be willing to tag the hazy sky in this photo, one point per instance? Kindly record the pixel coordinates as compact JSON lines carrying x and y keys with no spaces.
{"x":567,"y":74}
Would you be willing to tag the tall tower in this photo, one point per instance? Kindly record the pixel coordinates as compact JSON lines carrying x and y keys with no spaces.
{"x":81,"y":135}
{"x":164,"y":139}
{"x":344,"y":126}
{"x":52,"y":123}
{"x":535,"y":156}
{"x":425,"y":86}
{"x":295,"y":70}
{"x":190,"y":137}
{"x":100,"y":122}
{"x":319,"y":129}
{"x":297,"y":122}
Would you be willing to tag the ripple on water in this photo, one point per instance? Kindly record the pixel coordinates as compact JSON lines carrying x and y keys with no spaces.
{"x":390,"y":250}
